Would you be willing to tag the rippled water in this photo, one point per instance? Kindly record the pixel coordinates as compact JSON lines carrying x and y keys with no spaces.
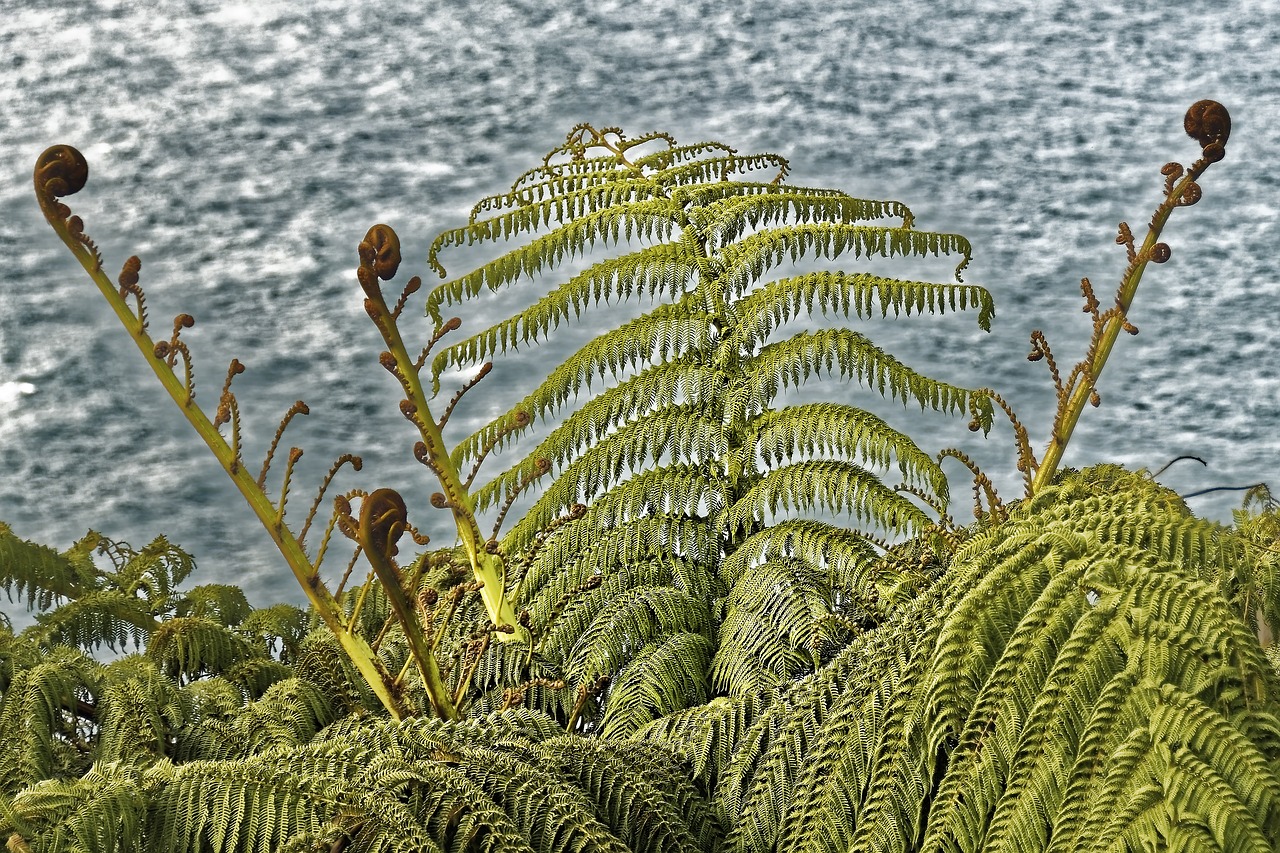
{"x":243,"y":150}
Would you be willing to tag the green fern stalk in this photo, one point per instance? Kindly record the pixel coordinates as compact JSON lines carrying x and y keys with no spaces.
{"x":1209,"y":124}
{"x":61,"y":171}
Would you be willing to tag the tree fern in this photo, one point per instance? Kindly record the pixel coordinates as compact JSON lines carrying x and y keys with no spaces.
{"x":1057,"y":672}
{"x":668,"y":423}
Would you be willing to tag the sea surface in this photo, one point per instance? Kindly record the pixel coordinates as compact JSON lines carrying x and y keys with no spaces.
{"x":243,"y":149}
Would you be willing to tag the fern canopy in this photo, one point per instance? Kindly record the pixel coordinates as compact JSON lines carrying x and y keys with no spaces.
{"x":746,"y":621}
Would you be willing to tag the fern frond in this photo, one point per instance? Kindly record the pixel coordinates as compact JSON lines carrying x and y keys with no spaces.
{"x":669,"y":489}
{"x":848,"y":355}
{"x":849,"y":559}
{"x":657,"y":387}
{"x":854,"y":295}
{"x":663,"y":677}
{"x":684,"y":435}
{"x":629,"y":622}
{"x":106,"y":617}
{"x":650,"y":220}
{"x":836,"y":429}
{"x":661,"y":270}
{"x":832,"y":485}
{"x":730,"y":219}
{"x":187,"y":646}
{"x":41,"y":573}
{"x":37,"y":705}
{"x":747,"y":260}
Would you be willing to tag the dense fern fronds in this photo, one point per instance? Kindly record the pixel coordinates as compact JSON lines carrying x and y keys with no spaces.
{"x":672,"y":448}
{"x":1080,"y":678}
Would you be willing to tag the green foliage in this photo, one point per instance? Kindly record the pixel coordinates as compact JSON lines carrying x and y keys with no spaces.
{"x":1082,"y":677}
{"x":673,"y":446}
{"x":697,"y":635}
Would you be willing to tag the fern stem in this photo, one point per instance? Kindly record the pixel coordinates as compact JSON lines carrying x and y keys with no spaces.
{"x":317,"y":593}
{"x":1184,"y":193}
{"x":487,"y":568}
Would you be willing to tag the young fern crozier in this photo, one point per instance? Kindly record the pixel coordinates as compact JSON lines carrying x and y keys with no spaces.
{"x":1207,"y":122}
{"x":62,"y":171}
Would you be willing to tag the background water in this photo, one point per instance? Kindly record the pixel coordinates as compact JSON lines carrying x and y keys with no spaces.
{"x":243,"y":150}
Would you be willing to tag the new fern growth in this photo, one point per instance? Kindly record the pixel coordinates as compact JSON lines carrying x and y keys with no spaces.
{"x":1207,"y":122}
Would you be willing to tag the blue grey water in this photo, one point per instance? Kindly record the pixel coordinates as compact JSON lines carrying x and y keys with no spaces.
{"x":242,"y":150}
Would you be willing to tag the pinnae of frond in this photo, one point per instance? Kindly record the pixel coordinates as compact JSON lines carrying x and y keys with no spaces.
{"x":982,"y":486}
{"x":298,"y":408}
{"x":509,"y":426}
{"x":295,"y":453}
{"x":541,"y":467}
{"x":981,"y":420}
{"x":347,"y":458}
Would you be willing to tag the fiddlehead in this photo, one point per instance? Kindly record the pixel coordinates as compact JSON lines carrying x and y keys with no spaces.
{"x":61,"y":171}
{"x":1210,"y":125}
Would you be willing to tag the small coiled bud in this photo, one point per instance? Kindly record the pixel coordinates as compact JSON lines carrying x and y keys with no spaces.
{"x":439,"y":501}
{"x":1208,"y":123}
{"x":61,"y":170}
{"x":421,"y":453}
{"x":409,"y":409}
{"x":129,"y":273}
{"x":1191,"y":194}
{"x":1160,"y":253}
{"x":381,"y":250}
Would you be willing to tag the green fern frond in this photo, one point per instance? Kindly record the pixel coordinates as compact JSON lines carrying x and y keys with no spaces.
{"x":187,"y":646}
{"x":137,"y":712}
{"x":845,"y":354}
{"x":37,"y":706}
{"x":629,"y":622}
{"x":664,"y":676}
{"x":658,"y":387}
{"x":106,"y":617}
{"x":669,"y":489}
{"x":640,"y":793}
{"x":746,"y":261}
{"x":831,"y":485}
{"x":223,"y":603}
{"x":661,"y":270}
{"x":855,"y":295}
{"x":730,"y":219}
{"x":667,"y":332}
{"x":848,"y":558}
{"x":836,"y":429}
{"x":685,"y":435}
{"x":41,"y":573}
{"x":643,"y":220}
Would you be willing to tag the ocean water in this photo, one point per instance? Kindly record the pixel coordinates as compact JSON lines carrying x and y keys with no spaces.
{"x":242,"y":150}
